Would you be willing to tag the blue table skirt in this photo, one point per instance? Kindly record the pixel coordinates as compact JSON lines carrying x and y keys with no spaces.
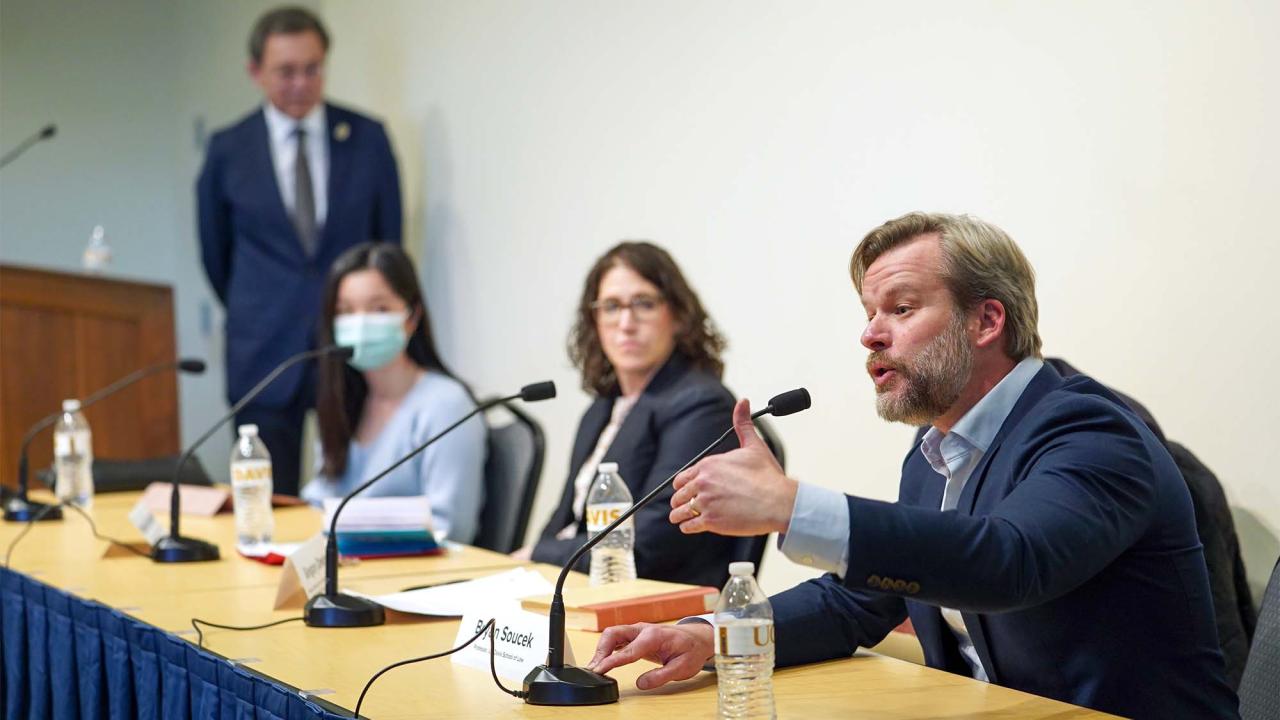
{"x":65,"y":657}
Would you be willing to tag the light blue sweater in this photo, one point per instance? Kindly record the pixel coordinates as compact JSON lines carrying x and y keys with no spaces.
{"x":450,"y":472}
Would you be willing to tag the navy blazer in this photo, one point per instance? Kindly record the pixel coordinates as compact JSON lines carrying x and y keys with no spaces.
{"x":1072,"y":555}
{"x":680,"y":412}
{"x":252,"y":254}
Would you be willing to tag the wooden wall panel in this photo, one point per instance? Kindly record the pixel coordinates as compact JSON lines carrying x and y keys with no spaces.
{"x":65,"y":335}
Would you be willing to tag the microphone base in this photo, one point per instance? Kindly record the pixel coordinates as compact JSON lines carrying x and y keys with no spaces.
{"x":568,"y":685}
{"x":180,"y":549}
{"x":19,"y":509}
{"x":330,"y":611}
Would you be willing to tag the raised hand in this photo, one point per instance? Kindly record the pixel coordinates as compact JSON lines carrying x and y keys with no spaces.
{"x":741,"y":492}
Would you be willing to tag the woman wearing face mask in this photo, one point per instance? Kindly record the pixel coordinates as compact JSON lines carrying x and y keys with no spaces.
{"x":650,"y":355}
{"x":393,"y":395}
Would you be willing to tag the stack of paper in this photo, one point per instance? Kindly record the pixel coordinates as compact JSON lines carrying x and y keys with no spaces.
{"x":383,"y":526}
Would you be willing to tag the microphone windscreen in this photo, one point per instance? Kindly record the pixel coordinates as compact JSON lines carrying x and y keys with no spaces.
{"x":544,"y":390}
{"x":48,"y":131}
{"x":191,"y":365}
{"x":791,"y":401}
{"x":342,"y":352}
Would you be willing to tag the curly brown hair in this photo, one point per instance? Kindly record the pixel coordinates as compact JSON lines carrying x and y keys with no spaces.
{"x":697,"y":337}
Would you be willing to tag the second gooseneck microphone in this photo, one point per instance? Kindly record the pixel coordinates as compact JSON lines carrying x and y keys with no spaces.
{"x":558,"y":684}
{"x":175,"y":548}
{"x":334,"y":609}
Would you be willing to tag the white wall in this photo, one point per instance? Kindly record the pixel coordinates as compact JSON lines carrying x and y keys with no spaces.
{"x":1128,"y":148}
{"x":134,"y":86}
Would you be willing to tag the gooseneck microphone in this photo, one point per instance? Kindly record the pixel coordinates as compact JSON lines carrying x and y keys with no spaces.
{"x":43,"y":133}
{"x":558,"y":684}
{"x":334,"y":609}
{"x":19,"y":509}
{"x":175,"y":548}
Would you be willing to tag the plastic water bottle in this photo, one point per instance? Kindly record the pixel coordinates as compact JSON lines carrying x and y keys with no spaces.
{"x":73,"y":456}
{"x":614,"y":559}
{"x":744,"y":647}
{"x":97,"y":254}
{"x":251,"y":488}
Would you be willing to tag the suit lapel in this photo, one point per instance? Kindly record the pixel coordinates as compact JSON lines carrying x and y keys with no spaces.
{"x":267,"y":169}
{"x":340,"y":152}
{"x":1045,"y":381}
{"x":593,"y":422}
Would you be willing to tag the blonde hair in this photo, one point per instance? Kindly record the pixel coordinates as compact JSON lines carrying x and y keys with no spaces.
{"x":979,"y":262}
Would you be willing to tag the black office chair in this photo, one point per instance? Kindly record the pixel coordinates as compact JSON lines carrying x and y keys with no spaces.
{"x":111,"y":476}
{"x":511,"y":478}
{"x":1260,"y":686}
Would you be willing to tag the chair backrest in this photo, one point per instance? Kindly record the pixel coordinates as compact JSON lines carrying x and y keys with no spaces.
{"x":511,"y":477}
{"x":126,"y":475}
{"x":752,"y":548}
{"x":1260,"y":686}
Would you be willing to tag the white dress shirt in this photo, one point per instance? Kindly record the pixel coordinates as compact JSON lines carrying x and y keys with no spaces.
{"x":284,"y":153}
{"x":819,"y":532}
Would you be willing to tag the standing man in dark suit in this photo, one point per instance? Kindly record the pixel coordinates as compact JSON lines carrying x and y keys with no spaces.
{"x":1042,"y":539}
{"x":283,"y":192}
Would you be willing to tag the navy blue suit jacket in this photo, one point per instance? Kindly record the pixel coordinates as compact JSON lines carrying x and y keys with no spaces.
{"x":252,"y":255}
{"x":1072,"y":555}
{"x":680,"y":412}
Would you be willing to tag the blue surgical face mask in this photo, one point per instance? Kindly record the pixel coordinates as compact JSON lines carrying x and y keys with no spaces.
{"x":377,"y":337}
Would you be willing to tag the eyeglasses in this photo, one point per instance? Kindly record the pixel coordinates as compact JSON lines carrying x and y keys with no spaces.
{"x":642,"y":307}
{"x":287,"y":73}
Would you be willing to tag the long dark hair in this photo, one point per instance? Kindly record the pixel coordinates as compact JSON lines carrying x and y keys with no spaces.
{"x":697,"y":337}
{"x":342,"y":391}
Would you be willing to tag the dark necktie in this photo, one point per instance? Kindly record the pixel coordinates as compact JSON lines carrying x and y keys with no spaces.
{"x":304,"y":200}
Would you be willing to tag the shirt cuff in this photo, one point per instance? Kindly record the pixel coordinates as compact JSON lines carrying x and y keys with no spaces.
{"x":818,"y":535}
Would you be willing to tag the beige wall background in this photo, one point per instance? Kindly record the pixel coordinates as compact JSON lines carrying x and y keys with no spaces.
{"x":1128,"y":147}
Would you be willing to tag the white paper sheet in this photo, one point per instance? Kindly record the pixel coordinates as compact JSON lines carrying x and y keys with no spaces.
{"x":456,"y":599}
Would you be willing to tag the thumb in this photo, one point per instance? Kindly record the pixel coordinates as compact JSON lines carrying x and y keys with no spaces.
{"x":743,"y":426}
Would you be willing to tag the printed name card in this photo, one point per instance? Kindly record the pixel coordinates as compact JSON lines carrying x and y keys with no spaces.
{"x":303,"y":576}
{"x":520,"y":641}
{"x":142,"y":519}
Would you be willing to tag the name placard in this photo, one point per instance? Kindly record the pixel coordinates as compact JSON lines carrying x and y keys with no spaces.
{"x":303,"y":576}
{"x":520,"y":641}
{"x":142,"y":519}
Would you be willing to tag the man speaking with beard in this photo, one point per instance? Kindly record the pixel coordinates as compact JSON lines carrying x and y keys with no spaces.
{"x":1043,"y":538}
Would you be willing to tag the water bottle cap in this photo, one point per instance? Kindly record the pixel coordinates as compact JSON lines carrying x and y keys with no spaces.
{"x":71,"y":405}
{"x":742,"y":568}
{"x":608,"y":467}
{"x":248,"y":430}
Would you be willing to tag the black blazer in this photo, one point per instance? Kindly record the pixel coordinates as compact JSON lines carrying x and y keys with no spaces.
{"x":1072,"y":555}
{"x":680,"y":412}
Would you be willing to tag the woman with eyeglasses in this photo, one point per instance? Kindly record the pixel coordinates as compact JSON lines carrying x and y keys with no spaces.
{"x":650,"y":355}
{"x":393,"y":395}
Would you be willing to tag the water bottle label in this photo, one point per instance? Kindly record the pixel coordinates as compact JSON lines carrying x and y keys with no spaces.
{"x":601,"y":514}
{"x":744,"y":639}
{"x":250,"y":470}
{"x":62,"y":444}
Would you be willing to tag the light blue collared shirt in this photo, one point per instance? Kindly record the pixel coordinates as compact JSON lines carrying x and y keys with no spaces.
{"x":818,"y":535}
{"x":450,"y":473}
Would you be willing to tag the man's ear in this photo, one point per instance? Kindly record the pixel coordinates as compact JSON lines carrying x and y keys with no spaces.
{"x":990,"y":319}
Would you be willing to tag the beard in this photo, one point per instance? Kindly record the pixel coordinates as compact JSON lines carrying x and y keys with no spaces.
{"x":930,"y":383}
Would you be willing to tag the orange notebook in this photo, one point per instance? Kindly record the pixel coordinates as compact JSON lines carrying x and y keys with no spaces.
{"x":632,"y":601}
